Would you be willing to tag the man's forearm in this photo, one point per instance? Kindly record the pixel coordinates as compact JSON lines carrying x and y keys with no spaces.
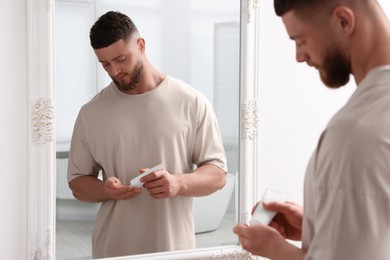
{"x":283,"y":250}
{"x":203,"y":181}
{"x":88,"y":189}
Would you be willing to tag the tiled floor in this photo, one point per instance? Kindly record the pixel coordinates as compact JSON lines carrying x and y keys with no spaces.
{"x":73,"y":238}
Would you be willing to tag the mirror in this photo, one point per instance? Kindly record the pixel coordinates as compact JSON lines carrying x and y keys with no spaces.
{"x":202,"y":49}
{"x":46,"y":108}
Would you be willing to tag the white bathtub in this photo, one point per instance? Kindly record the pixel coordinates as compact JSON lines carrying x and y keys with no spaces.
{"x":210,"y":210}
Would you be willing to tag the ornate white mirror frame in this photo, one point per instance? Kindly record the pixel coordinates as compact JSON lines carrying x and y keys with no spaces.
{"x":41,"y":204}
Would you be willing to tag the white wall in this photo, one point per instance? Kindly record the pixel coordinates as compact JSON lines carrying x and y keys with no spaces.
{"x":294,"y":108}
{"x":13,"y":130}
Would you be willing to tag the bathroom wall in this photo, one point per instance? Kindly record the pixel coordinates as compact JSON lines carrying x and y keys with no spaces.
{"x":13,"y":130}
{"x":294,"y":107}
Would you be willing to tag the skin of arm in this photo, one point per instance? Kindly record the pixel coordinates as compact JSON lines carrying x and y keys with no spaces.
{"x":205,"y":180}
{"x":91,"y":189}
{"x":269,"y":241}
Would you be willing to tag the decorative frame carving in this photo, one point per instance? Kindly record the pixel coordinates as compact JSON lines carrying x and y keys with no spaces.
{"x":250,"y":119}
{"x":41,"y":176}
{"x":43,"y":121}
{"x":41,"y":182}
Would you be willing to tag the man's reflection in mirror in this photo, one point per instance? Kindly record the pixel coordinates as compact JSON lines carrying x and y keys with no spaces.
{"x":141,"y":119}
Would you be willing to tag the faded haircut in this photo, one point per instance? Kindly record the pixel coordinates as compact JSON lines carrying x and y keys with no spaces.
{"x":110,"y":28}
{"x":311,"y":8}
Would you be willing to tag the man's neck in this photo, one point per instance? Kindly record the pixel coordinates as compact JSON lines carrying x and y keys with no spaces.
{"x":150,"y":79}
{"x":372,"y":48}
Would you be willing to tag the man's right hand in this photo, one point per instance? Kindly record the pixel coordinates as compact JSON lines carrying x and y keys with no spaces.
{"x":91,"y":189}
{"x":117,"y":191}
{"x":288,"y":220}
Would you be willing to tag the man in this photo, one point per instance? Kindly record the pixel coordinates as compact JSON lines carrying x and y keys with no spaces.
{"x":347,"y":183}
{"x":143,"y":118}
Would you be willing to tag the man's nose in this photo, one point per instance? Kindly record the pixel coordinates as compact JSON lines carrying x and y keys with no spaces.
{"x":300,"y":56}
{"x":114,"y":70}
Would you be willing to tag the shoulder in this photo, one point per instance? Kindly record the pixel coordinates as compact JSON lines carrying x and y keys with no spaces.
{"x":183,"y":90}
{"x":179,"y":85}
{"x":356,"y":136}
{"x":353,"y":146}
{"x":105,"y":95}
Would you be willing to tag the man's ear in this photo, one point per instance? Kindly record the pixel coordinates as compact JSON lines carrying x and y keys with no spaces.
{"x":141,"y":44}
{"x":344,"y":19}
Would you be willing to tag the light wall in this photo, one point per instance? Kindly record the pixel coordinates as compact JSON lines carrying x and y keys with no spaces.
{"x":295,"y":107}
{"x":13,"y":130}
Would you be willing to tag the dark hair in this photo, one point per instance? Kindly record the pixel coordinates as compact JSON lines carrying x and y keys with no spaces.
{"x":303,"y":8}
{"x":281,"y":7}
{"x":110,"y":28}
{"x":311,"y":8}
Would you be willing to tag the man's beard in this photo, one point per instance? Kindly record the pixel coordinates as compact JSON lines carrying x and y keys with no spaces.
{"x":336,"y":70}
{"x":135,"y":78}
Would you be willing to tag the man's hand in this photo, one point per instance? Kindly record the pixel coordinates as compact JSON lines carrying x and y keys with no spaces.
{"x":117,"y":191}
{"x":265,"y":241}
{"x":288,"y":220}
{"x":269,"y":240}
{"x":258,"y":239}
{"x":161,"y":184}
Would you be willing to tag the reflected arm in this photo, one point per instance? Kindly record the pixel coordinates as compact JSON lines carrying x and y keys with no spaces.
{"x":91,"y":189}
{"x":88,"y":189}
{"x":205,"y":180}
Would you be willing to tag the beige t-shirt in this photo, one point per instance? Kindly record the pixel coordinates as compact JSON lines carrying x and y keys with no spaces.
{"x":347,"y":184}
{"x":119,"y":133}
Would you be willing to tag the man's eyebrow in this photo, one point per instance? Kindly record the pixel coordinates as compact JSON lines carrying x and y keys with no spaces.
{"x":101,"y":61}
{"x":296,"y":36}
